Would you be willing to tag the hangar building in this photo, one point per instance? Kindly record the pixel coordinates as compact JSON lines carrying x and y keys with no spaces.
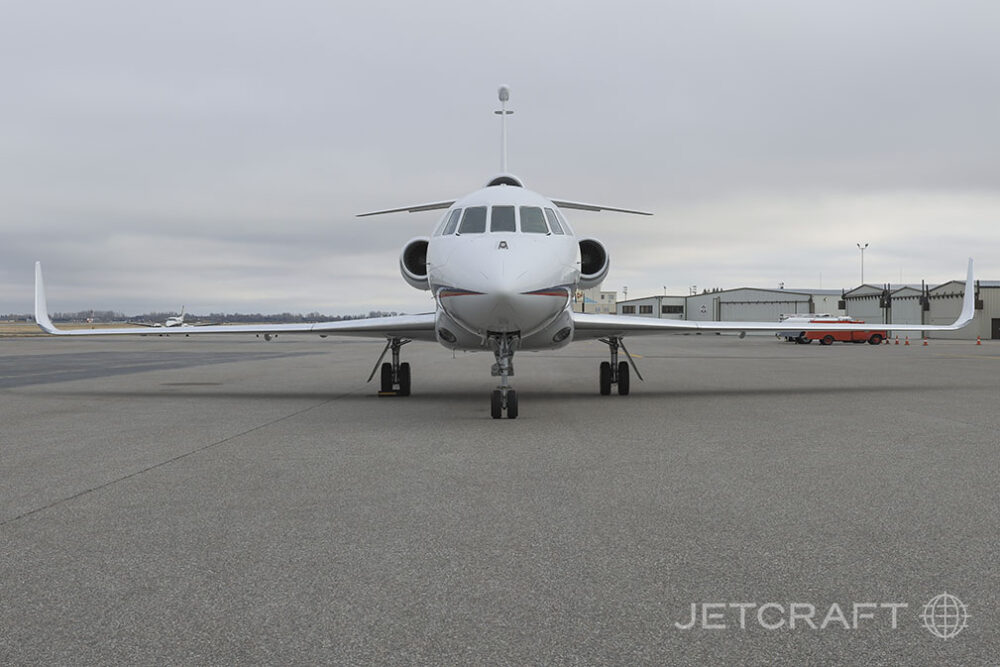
{"x":745,"y":304}
{"x":664,"y":307}
{"x":594,"y":300}
{"x":760,"y":305}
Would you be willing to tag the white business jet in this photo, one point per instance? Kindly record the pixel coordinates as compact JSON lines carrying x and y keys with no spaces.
{"x":502,"y":264}
{"x":172,"y":321}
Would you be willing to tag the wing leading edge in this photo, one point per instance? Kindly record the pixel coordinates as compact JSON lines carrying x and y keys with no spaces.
{"x":414,"y":327}
{"x":603,"y":326}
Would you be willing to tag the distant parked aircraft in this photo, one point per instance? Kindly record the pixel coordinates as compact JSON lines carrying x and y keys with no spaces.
{"x":174,"y":321}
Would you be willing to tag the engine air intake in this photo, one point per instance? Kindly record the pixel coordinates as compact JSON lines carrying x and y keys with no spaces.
{"x":413,"y":263}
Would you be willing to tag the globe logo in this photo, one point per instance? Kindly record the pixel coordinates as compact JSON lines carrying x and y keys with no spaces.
{"x":945,"y":616}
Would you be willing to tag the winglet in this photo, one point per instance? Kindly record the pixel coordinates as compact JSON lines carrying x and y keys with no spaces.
{"x":41,"y":308}
{"x":968,"y":301}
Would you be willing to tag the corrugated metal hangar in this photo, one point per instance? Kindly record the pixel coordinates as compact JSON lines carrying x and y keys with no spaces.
{"x":885,"y":305}
{"x":745,"y":304}
{"x":911,"y":304}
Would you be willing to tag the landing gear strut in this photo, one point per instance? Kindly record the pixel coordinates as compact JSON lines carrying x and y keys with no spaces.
{"x":504,"y":398}
{"x":395,"y":376}
{"x":615,"y":372}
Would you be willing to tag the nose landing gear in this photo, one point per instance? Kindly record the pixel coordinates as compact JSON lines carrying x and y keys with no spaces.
{"x":616,"y":372}
{"x":504,"y":398}
{"x":395,"y":376}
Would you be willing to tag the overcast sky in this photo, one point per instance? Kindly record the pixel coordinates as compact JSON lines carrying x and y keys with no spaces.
{"x":214,"y":154}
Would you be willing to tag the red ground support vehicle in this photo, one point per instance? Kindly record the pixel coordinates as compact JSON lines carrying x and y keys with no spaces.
{"x":874,"y":337}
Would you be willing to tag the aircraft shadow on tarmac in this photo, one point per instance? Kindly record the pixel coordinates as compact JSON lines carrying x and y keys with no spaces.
{"x":450,"y":397}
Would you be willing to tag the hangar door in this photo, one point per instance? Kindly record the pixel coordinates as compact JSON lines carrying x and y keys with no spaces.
{"x":996,"y":328}
{"x":760,"y":311}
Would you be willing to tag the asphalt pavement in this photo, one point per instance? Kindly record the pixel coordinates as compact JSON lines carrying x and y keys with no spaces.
{"x":223,"y":500}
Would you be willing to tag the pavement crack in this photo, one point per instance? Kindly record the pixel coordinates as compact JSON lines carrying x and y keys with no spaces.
{"x":167,"y":462}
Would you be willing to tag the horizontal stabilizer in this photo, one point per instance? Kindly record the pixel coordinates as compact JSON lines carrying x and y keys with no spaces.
{"x":416,"y":208}
{"x":563,"y":203}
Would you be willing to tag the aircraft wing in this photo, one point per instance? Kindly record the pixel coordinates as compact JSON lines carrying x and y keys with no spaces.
{"x":414,"y":327}
{"x":588,"y":326}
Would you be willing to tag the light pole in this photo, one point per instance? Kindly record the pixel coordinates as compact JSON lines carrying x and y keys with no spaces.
{"x":862,"y":249}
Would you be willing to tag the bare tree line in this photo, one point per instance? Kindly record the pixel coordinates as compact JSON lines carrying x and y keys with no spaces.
{"x":107,"y":316}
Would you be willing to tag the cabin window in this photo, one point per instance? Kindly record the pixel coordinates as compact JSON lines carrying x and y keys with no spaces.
{"x":474,"y":220}
{"x":628,"y":310}
{"x":532,"y":220}
{"x":553,"y":221}
{"x":452,"y":223}
{"x":646,"y":310}
{"x":672,"y":310}
{"x":502,"y":219}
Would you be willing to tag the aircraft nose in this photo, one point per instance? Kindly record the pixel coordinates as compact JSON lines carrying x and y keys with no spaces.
{"x":501,"y":299}
{"x":503,"y":289}
{"x":503,"y":305}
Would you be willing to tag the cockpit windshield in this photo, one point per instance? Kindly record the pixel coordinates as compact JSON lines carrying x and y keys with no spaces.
{"x":502,"y":219}
{"x":553,"y":221}
{"x":532,"y":220}
{"x":563,"y":222}
{"x":474,"y":220}
{"x":453,"y":219}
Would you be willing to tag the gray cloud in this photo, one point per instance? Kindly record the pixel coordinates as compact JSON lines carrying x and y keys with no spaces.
{"x":214,"y":154}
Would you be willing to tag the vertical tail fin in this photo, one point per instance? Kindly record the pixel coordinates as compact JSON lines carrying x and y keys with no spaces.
{"x":504,"y":95}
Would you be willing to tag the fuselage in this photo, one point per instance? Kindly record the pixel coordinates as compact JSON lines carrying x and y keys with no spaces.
{"x":503,"y":260}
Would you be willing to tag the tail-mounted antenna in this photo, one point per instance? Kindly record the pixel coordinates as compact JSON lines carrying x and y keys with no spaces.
{"x":504,"y":93}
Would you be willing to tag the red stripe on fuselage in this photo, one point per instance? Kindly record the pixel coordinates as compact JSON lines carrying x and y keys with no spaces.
{"x":447,"y":293}
{"x":558,"y":291}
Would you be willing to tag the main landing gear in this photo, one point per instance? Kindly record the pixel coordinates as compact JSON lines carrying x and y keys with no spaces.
{"x":504,"y":398}
{"x":395,"y":376}
{"x":616,"y":372}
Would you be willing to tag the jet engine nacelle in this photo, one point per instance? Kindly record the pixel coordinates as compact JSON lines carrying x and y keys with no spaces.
{"x":413,"y":262}
{"x":594,"y":263}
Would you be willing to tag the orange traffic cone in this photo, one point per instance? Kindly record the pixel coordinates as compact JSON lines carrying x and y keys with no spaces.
{"x":925,"y":341}
{"x":978,"y":341}
{"x":897,"y":340}
{"x":907,"y":342}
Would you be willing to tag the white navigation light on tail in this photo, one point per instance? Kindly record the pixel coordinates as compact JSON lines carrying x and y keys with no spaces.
{"x":502,"y":264}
